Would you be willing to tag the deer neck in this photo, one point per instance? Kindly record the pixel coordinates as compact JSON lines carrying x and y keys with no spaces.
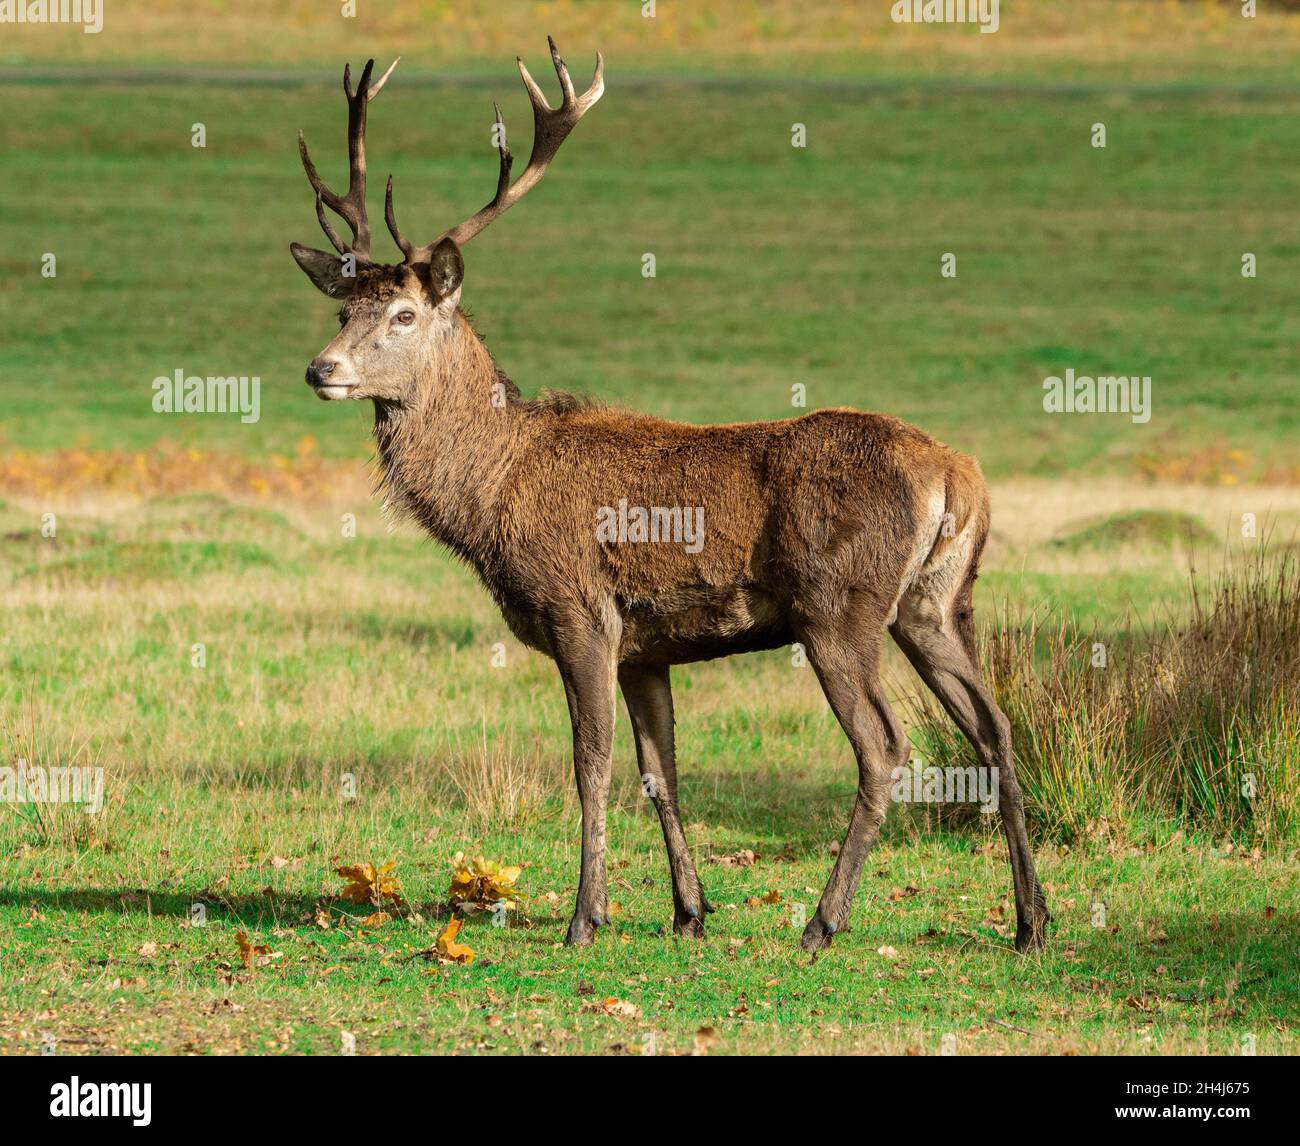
{"x":444,"y":457}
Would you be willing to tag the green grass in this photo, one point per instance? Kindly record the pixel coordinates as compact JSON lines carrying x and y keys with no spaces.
{"x":1194,"y":952}
{"x":333,"y":659}
{"x":1164,"y":529}
{"x":175,"y":258}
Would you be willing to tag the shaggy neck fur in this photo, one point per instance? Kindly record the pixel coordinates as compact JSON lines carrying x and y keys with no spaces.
{"x":445,"y":455}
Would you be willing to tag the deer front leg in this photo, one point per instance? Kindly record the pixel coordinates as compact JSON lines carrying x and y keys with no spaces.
{"x":587,"y":666}
{"x":650,"y":705}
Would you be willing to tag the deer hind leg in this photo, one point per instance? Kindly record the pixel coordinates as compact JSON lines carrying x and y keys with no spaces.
{"x":649,"y":699}
{"x":934,"y":630}
{"x":847,"y":665}
{"x":587,"y":667}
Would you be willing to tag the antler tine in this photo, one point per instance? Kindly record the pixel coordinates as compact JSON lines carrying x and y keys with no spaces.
{"x":403,"y":243}
{"x":328,"y":227}
{"x":560,"y":70}
{"x":507,"y":158}
{"x":373,"y":89}
{"x":551,"y":126}
{"x":351,"y":208}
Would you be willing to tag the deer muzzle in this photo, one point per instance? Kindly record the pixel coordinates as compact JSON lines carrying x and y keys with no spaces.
{"x":318,"y":378}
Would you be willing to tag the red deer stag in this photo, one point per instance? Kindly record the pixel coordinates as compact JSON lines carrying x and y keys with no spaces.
{"x":826,"y":530}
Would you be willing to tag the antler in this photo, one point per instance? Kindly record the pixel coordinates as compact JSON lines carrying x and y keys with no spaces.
{"x":351,"y":208}
{"x":551,"y":127}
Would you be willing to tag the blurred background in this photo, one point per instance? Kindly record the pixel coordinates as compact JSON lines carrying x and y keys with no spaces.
{"x":775,"y":264}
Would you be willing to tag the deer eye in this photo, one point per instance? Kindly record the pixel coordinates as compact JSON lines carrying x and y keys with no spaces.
{"x":404,"y":317}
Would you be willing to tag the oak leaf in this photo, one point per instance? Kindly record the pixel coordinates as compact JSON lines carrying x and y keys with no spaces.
{"x":742,"y":858}
{"x":482,"y":883}
{"x":618,"y":1008}
{"x":370,"y":884}
{"x":448,"y":950}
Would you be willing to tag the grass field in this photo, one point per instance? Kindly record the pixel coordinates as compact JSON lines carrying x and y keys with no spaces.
{"x":774,"y":265}
{"x":327,"y":655}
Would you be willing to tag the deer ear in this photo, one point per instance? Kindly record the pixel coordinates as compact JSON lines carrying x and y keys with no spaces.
{"x":325,"y":269}
{"x":446,"y":269}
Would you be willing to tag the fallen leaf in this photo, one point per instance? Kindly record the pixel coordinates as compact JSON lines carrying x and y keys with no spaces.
{"x":447,"y":950}
{"x":368,"y":884}
{"x":742,"y":858}
{"x":483,"y":883}
{"x":254,"y":954}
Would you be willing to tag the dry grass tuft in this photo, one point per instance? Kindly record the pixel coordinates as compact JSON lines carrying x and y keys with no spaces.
{"x":497,"y":786}
{"x":30,"y":745}
{"x":1195,"y":723}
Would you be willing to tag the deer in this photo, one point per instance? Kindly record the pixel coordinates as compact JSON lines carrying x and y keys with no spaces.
{"x":825,"y":531}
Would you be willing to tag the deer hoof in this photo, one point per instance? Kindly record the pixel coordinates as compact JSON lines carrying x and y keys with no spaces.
{"x":817,"y":935}
{"x":689,"y":925}
{"x":582,"y":932}
{"x":1031,"y":936}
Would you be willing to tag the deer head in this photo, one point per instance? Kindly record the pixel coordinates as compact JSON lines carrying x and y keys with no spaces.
{"x":397,"y":319}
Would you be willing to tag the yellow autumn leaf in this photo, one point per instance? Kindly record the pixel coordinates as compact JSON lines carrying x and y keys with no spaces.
{"x":448,"y":950}
{"x":483,"y":882}
{"x":368,"y":884}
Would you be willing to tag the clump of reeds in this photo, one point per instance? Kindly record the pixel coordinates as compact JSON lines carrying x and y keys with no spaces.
{"x":1196,"y":721}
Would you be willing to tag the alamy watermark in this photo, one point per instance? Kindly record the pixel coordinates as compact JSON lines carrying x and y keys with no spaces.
{"x":77,"y":1099}
{"x":194,"y":395}
{"x":981,"y":12}
{"x":673,"y":524}
{"x":28,"y":784}
{"x":933,"y":785}
{"x":88,"y":13}
{"x":1105,"y":394}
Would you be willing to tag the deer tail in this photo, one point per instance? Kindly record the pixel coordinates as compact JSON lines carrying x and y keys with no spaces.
{"x":966,"y":502}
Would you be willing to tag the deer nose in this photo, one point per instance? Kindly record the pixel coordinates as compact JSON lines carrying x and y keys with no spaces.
{"x":318,"y":371}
